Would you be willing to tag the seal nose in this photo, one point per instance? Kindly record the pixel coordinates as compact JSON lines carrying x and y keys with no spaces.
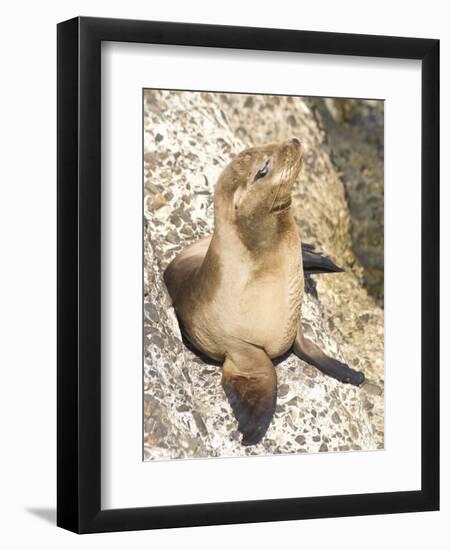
{"x":296,"y":141}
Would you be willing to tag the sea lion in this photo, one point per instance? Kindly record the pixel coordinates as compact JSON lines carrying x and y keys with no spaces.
{"x":238,"y":294}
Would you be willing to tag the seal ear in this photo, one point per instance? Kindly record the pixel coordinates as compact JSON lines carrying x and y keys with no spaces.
{"x":250,"y":382}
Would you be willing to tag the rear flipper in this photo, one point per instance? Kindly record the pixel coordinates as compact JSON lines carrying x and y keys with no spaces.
{"x":312,"y":354}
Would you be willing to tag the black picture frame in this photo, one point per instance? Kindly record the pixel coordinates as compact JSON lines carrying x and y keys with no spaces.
{"x":79,"y":276}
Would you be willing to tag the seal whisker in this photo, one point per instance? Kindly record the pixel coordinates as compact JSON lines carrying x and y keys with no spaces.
{"x":284,"y":180}
{"x":279,"y":187}
{"x":275,"y":198}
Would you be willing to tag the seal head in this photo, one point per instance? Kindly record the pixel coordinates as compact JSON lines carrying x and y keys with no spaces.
{"x":254,"y":191}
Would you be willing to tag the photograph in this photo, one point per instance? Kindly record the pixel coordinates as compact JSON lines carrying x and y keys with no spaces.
{"x":263,"y":274}
{"x":233,"y":221}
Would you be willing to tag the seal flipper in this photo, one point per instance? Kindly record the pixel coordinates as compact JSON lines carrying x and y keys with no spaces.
{"x":309,"y":352}
{"x":315,"y":262}
{"x":250,"y":383}
{"x":308,"y":246}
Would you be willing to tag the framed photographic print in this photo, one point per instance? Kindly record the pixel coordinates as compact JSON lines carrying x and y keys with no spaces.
{"x":248,"y":259}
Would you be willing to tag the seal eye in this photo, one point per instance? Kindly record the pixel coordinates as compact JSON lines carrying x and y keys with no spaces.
{"x":263,"y":172}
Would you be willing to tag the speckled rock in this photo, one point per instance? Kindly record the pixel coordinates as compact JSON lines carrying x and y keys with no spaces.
{"x":188,"y":139}
{"x":355,"y":141}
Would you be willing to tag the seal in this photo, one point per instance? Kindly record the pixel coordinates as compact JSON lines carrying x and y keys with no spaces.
{"x":238,"y":293}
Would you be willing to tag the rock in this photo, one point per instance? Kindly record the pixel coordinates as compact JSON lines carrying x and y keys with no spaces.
{"x":172,"y":237}
{"x":372,"y":389}
{"x":336,"y":418}
{"x":186,"y":413}
{"x":158,"y":202}
{"x":151,"y":312}
{"x":186,"y":230}
{"x":355,"y":136}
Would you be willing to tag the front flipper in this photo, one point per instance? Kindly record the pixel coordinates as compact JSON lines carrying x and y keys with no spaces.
{"x":316,"y":263}
{"x":249,"y":380}
{"x":312,"y":354}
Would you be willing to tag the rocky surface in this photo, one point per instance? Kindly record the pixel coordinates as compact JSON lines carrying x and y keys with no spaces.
{"x":188,"y":139}
{"x":355,"y":141}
